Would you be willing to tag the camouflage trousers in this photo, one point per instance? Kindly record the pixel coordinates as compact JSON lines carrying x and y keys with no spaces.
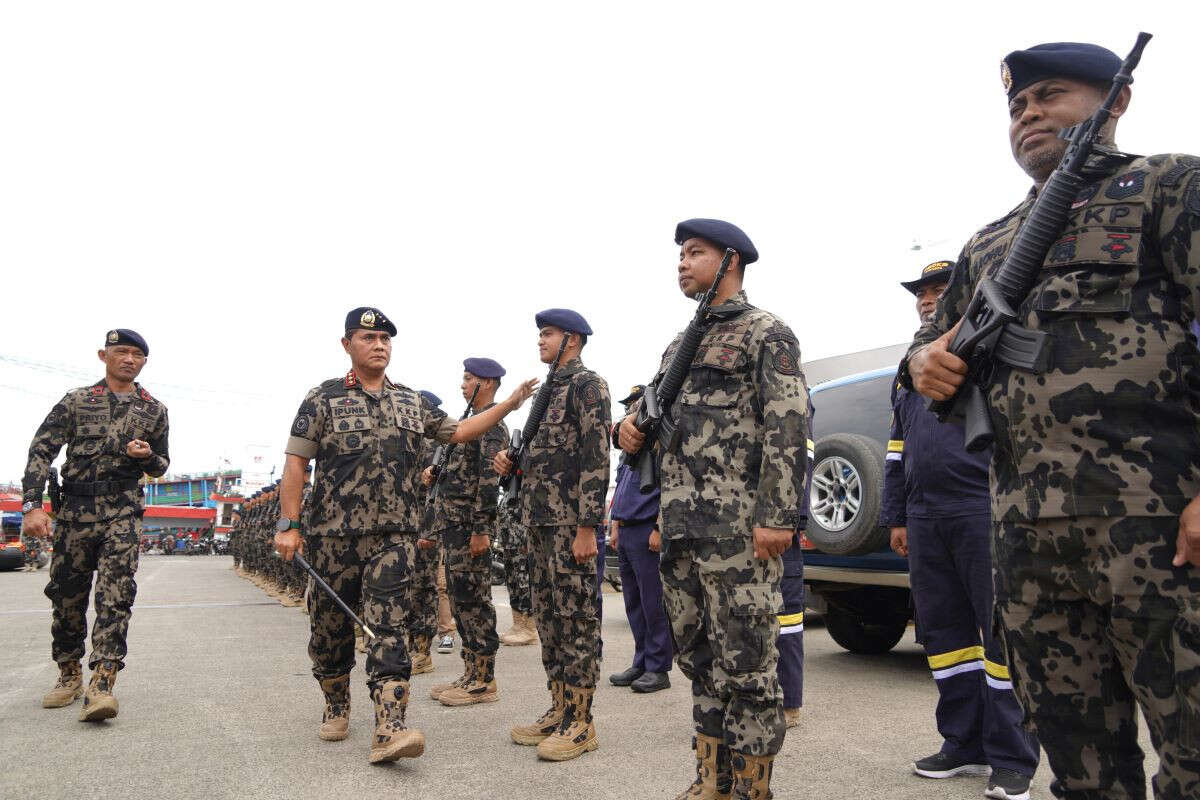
{"x":110,"y":549}
{"x":515,"y":545}
{"x":564,"y":607}
{"x":375,"y":571}
{"x":1098,"y":623}
{"x":425,"y":592}
{"x":469,"y":584}
{"x":723,"y":604}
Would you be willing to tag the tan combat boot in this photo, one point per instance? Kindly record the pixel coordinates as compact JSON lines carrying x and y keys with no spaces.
{"x":751,"y":776}
{"x":335,"y":722}
{"x":422,"y":662}
{"x":392,"y":740}
{"x":576,"y":733}
{"x":714,"y":775}
{"x":522,"y":631}
{"x":468,"y":673}
{"x":479,"y":687}
{"x":98,"y":700}
{"x":546,"y":724}
{"x":69,"y":687}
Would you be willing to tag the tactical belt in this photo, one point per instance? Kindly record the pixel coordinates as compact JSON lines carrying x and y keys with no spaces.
{"x":98,"y":488}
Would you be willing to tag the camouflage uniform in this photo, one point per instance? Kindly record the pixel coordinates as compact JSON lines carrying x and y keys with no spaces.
{"x":740,"y":462}
{"x":514,"y":543}
{"x":361,"y":522}
{"x":465,"y":504}
{"x":99,"y":526}
{"x":566,"y":480}
{"x":425,"y":574}
{"x":1094,"y":460}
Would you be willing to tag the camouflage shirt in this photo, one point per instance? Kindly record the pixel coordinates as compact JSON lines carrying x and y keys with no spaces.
{"x":468,"y":489}
{"x":97,"y":425}
{"x":566,"y":465}
{"x":741,"y":457}
{"x":1110,"y":429}
{"x":368,"y":452}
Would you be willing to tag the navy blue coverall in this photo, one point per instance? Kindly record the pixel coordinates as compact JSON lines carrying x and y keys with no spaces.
{"x":939,"y":491}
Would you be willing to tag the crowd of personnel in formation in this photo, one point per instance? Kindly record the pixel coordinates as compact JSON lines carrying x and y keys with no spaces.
{"x":1064,"y":325}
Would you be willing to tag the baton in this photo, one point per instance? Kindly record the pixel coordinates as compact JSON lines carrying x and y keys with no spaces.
{"x":299,"y":559}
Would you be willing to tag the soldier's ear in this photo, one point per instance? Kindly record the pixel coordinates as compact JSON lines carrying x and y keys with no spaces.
{"x":1121,"y":104}
{"x":346,"y":344}
{"x":102,"y":354}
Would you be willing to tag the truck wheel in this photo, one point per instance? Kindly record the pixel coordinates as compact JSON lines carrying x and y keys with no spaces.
{"x":865,"y":624}
{"x":845,"y":495}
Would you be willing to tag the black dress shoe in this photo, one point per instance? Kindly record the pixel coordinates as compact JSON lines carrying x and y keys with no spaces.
{"x":625,"y":678}
{"x":651,"y":682}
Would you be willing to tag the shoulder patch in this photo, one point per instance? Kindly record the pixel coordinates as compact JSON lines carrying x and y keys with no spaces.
{"x":590,"y":394}
{"x":1183,"y":165}
{"x":300,"y":426}
{"x":1126,"y":185}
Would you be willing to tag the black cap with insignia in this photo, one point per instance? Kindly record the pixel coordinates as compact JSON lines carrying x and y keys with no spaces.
{"x":1079,"y":60}
{"x":368,"y":318}
{"x":125,"y":336}
{"x":937,"y":272}
{"x":634,"y":394}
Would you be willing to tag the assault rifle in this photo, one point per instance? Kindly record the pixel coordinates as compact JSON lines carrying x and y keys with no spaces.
{"x":988,"y":332}
{"x":54,"y":490}
{"x":440,"y":458}
{"x":511,"y":483}
{"x":658,"y":426}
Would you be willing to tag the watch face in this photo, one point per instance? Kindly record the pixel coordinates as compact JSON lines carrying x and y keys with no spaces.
{"x":30,"y":506}
{"x":283,"y":524}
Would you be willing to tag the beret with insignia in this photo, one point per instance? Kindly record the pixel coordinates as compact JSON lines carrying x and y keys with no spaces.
{"x":721,"y":233}
{"x":1078,"y":60}
{"x":634,"y":393}
{"x":125,"y":336}
{"x":483,"y":367}
{"x":368,"y":319}
{"x":431,"y":397}
{"x":937,"y":272}
{"x":563,"y":318}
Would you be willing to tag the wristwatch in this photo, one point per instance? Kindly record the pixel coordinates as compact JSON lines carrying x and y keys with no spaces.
{"x":29,"y":505}
{"x":285,"y":524}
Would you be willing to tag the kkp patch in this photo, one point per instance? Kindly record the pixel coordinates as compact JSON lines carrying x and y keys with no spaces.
{"x":1126,"y":185}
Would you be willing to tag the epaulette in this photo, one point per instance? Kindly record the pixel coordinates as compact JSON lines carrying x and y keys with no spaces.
{"x":1183,"y":165}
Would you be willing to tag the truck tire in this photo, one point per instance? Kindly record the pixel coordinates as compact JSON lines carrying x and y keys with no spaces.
{"x":867,"y":621}
{"x":845,"y":495}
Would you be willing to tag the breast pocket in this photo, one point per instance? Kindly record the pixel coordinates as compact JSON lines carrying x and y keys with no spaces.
{"x":1090,"y":271}
{"x":355,"y":438}
{"x":551,"y":436}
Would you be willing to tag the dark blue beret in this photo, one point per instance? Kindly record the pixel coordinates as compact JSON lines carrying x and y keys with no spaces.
{"x":125,"y":336}
{"x":563,"y":318}
{"x":483,"y":367}
{"x":1085,"y":62}
{"x":369,"y":319}
{"x":719,"y":232}
{"x":937,"y":272}
{"x":430,"y":396}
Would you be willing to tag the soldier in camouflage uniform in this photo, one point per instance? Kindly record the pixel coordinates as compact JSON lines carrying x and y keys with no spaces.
{"x":561,"y":502}
{"x":424,"y":617}
{"x":732,"y":489}
{"x":115,"y":433}
{"x":514,"y":544}
{"x":361,"y":523}
{"x":463,"y":516}
{"x":1095,"y":469}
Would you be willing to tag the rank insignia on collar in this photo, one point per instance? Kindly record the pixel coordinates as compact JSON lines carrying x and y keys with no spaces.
{"x":1118,"y":245}
{"x":351,"y":379}
{"x":112,"y":337}
{"x":1085,"y":195}
{"x":367,"y":320}
{"x":97,"y":390}
{"x":1126,"y":185}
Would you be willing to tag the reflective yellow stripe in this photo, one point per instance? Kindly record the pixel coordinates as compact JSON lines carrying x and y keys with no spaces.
{"x":895,"y":445}
{"x":791,"y":619}
{"x":811,"y":444}
{"x":996,"y":670}
{"x":942,"y":660}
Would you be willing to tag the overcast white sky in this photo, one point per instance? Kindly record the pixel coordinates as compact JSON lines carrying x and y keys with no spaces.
{"x":229,"y":178}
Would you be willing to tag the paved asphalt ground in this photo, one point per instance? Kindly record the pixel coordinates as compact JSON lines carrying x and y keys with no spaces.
{"x":217,"y":702}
